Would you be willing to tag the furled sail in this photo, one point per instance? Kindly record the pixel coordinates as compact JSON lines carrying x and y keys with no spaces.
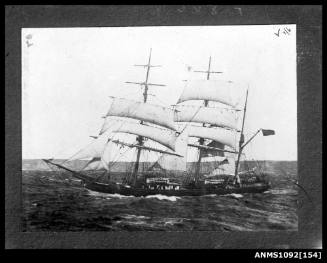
{"x":155,"y":114}
{"x":162,"y":136}
{"x":214,"y":116}
{"x":212,"y":90}
{"x":176,"y":163}
{"x":221,"y":135}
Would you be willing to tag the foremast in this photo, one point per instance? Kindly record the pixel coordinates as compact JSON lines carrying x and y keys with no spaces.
{"x":201,"y":140}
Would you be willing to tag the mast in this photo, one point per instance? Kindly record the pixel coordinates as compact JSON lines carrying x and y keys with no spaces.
{"x":201,"y":140}
{"x":140,"y":139}
{"x":241,"y":141}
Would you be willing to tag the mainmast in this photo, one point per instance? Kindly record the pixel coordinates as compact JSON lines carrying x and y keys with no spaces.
{"x":201,"y":140}
{"x":140,"y":139}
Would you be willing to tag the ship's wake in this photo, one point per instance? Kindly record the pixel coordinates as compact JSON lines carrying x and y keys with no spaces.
{"x":119,"y":196}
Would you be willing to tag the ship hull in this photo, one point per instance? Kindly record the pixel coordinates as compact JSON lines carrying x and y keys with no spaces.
{"x":121,"y":189}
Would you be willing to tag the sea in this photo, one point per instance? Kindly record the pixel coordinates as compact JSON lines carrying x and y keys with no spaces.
{"x":53,"y":202}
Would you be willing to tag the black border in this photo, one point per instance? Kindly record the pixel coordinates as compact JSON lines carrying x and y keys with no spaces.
{"x":309,"y":80}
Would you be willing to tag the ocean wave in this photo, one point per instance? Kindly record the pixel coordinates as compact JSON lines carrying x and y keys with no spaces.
{"x":172,"y":221}
{"x":135,"y":220}
{"x":108,"y":196}
{"x":164,"y":197}
{"x":121,"y":196}
{"x":234,"y":195}
{"x":53,"y":180}
{"x":134,"y":217}
{"x":51,"y":206}
{"x":211,"y":195}
{"x":73,"y":180}
{"x":280,"y":191}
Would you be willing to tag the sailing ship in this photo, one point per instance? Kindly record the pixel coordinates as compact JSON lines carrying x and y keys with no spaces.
{"x":213,"y":127}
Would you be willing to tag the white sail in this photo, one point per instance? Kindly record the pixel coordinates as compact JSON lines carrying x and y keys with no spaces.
{"x":93,"y":150}
{"x":108,"y":152}
{"x":106,"y":156}
{"x":176,"y":163}
{"x":94,"y":164}
{"x":214,"y":116}
{"x":212,"y":90}
{"x":226,"y":137}
{"x":162,"y":136}
{"x":155,"y":114}
{"x":109,"y":124}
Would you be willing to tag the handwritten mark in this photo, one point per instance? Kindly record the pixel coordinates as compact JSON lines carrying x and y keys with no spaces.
{"x":277,"y":34}
{"x":286,"y":31}
{"x":28,"y":44}
{"x":28,"y":37}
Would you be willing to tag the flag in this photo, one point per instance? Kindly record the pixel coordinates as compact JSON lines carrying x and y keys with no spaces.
{"x":267,"y":132}
{"x":242,"y":139}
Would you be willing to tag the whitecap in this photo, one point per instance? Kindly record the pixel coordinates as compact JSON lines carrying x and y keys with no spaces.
{"x":75,"y":180}
{"x":108,"y":196}
{"x":234,"y":195}
{"x":171,"y":221}
{"x":135,"y":217}
{"x":211,"y":195}
{"x":120,"y":196}
{"x":280,"y":191}
{"x":53,"y":180}
{"x":164,"y":197}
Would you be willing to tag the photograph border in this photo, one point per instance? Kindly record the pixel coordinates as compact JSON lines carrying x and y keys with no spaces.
{"x":308,"y":20}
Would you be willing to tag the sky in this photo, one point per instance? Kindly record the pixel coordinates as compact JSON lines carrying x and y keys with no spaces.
{"x":68,"y":75}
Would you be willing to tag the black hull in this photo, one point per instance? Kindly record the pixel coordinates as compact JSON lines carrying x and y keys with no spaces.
{"x":121,"y":189}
